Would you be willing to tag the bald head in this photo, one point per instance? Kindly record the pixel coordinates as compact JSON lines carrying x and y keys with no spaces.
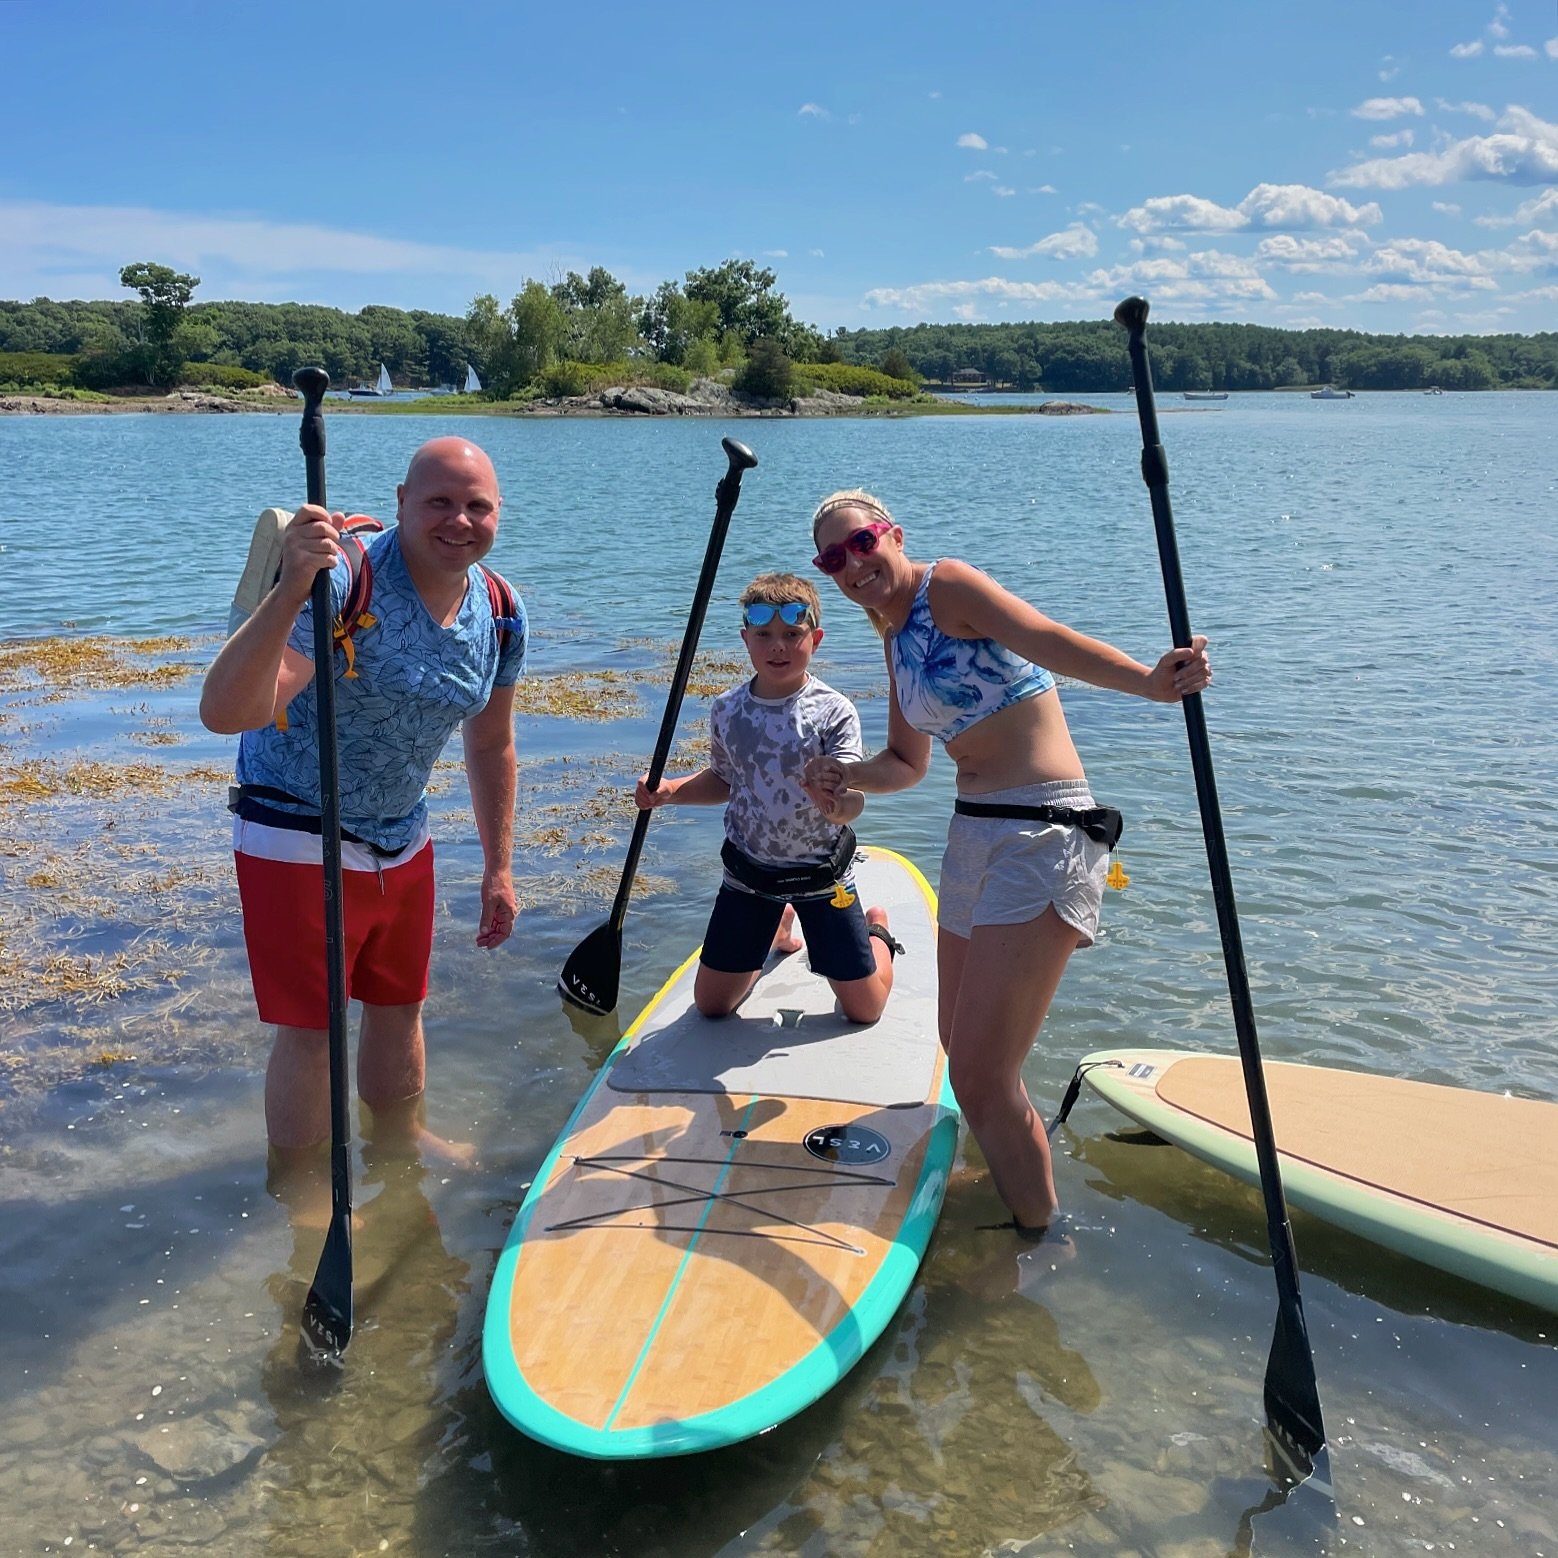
{"x":442,"y":459}
{"x":447,"y":508}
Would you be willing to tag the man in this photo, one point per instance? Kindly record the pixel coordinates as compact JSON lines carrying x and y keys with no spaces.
{"x":429,"y":654}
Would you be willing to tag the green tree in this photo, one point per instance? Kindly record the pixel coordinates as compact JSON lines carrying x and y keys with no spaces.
{"x":600,"y":322}
{"x":748,"y":306}
{"x":538,"y":329}
{"x":672,"y":325}
{"x":769,"y":374}
{"x":895,"y":365}
{"x":165,"y":294}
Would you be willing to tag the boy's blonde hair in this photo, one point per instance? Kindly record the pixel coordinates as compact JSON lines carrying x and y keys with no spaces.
{"x":775,"y":589}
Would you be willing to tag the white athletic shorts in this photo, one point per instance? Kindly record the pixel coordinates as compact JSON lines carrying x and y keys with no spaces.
{"x":1008,"y":870}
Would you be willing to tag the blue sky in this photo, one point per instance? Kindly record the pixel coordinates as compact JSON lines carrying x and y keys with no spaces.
{"x":1388,"y":167}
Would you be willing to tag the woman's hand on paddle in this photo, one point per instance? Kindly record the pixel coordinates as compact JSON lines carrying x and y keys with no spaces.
{"x":308,"y":544}
{"x":647,"y":800}
{"x":1181,"y":672}
{"x":499,"y":909}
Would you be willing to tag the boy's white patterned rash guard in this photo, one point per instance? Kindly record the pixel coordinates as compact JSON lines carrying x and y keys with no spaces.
{"x":760,"y":748}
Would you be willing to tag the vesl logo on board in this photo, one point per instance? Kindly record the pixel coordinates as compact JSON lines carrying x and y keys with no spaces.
{"x":848,"y":1144}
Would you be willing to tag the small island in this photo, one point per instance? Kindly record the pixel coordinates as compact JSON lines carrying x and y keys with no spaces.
{"x":721,"y":342}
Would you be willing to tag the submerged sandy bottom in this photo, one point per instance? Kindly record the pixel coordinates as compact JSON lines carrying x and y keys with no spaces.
{"x":1098,"y":1393}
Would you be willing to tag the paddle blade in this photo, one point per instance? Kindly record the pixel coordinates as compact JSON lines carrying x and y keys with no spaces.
{"x":1292,"y":1397}
{"x":593,"y":971}
{"x":327,"y":1311}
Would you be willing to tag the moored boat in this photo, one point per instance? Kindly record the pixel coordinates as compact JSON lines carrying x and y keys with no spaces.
{"x":1330,"y":392}
{"x":1205,"y":394}
{"x":381,"y":386}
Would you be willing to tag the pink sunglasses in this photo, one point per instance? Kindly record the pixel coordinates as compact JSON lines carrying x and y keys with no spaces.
{"x":862,"y":542}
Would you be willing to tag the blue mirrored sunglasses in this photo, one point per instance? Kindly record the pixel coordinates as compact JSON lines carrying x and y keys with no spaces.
{"x":759,"y":613}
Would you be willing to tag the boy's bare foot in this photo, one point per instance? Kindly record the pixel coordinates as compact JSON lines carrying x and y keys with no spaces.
{"x":786,"y":939}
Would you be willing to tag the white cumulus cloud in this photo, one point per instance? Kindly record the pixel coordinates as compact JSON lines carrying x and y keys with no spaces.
{"x":974,"y":142}
{"x":1269,"y":206}
{"x":1387,"y":108}
{"x":813,"y":110}
{"x":1539,"y":208}
{"x":1524,"y":151}
{"x":1074,"y":242}
{"x":1466,"y":51}
{"x":1429,"y":261}
{"x":1183,"y":211}
{"x":1208,"y":278}
{"x":1388,"y":142}
{"x":1476,"y":110}
{"x":1336,"y":252}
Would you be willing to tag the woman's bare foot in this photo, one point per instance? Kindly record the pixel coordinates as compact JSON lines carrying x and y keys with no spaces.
{"x":785,"y":938}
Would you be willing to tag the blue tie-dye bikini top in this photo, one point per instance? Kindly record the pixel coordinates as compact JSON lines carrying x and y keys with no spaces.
{"x":946,"y":684}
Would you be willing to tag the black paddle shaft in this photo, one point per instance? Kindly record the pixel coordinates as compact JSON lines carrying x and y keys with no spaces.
{"x":726,"y":493}
{"x":327,"y":1313}
{"x":1291,"y":1374}
{"x":593,"y":973}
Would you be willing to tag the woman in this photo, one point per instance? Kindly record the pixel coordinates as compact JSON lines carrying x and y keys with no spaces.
{"x":1022,"y":878}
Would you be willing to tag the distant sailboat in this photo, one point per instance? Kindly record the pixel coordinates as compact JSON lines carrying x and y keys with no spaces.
{"x":381,"y":386}
{"x":472,"y":383}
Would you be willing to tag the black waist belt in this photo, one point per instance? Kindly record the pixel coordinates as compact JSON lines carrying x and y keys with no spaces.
{"x":1102,"y":824}
{"x":248,"y":801}
{"x":790,"y":881}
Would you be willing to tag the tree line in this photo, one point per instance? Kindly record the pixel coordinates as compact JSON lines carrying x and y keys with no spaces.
{"x":1090,"y":356}
{"x":564,"y":336}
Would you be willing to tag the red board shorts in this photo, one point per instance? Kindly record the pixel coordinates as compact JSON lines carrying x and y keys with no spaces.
{"x":388,"y":920}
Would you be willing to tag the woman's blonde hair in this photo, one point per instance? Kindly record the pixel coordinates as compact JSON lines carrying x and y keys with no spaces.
{"x":854,"y":498}
{"x":848,"y":498}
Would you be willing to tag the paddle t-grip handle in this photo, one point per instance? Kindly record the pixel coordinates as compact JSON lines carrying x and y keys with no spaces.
{"x":1132,"y":313}
{"x":312,"y":383}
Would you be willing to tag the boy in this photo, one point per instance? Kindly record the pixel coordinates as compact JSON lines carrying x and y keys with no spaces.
{"x":785,"y":856}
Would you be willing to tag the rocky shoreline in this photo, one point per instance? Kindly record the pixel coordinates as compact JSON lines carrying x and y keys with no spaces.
{"x":705,"y":398}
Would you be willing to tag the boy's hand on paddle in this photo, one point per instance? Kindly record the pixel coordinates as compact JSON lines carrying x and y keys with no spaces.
{"x":647,"y":799}
{"x":1181,"y":672}
{"x":823,"y":777}
{"x":839,"y":806}
{"x":499,"y":909}
{"x":308,"y":544}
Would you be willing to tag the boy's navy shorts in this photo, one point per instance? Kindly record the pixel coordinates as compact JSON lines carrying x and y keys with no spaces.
{"x":742,"y":925}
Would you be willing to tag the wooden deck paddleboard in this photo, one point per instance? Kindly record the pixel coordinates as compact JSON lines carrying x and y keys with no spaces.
{"x":735,"y":1210}
{"x":1461,"y":1180}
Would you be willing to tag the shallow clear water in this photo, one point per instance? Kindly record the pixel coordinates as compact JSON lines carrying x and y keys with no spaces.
{"x":1379,"y":578}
